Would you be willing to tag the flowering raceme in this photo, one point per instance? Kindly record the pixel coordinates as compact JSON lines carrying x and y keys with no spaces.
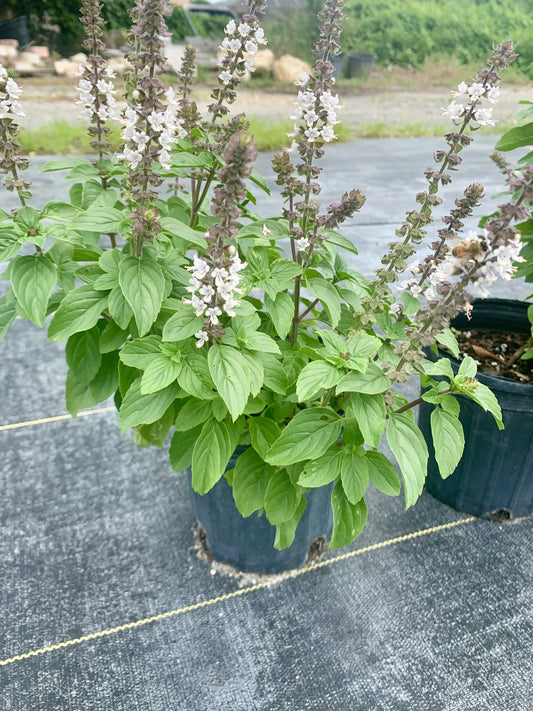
{"x":214,"y":290}
{"x":97,"y":99}
{"x":9,"y":93}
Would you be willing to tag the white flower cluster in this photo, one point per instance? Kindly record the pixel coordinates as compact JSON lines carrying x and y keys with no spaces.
{"x":473,"y":93}
{"x":213,"y":290}
{"x":493,"y":262}
{"x":97,"y":101}
{"x":315,"y":115}
{"x":242,"y":37}
{"x":164,"y":124}
{"x":9,"y":93}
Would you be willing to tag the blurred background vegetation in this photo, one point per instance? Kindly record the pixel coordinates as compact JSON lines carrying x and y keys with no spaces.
{"x":406,"y":33}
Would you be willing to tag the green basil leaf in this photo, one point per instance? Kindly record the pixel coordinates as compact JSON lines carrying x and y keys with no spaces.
{"x":382,"y":474}
{"x":143,"y":285}
{"x":281,"y":499}
{"x":372,"y":382}
{"x":138,"y":409}
{"x":33,"y":278}
{"x":258,"y":341}
{"x":79,"y":311}
{"x":229,"y":373}
{"x":83,"y":354}
{"x":354,"y":476}
{"x":448,"y":441}
{"x":449,"y":341}
{"x":328,"y":296}
{"x":314,"y":377}
{"x":182,"y":325}
{"x":370,"y":413}
{"x":323,"y":470}
{"x":486,"y":398}
{"x":410,"y":449}
{"x":182,"y":447}
{"x":140,"y":352}
{"x":307,"y":436}
{"x":8,"y":312}
{"x":250,"y":480}
{"x":286,"y":531}
{"x":159,"y":373}
{"x":193,"y":413}
{"x":281,"y":311}
{"x":119,"y":308}
{"x":263,"y":433}
{"x":210,"y":456}
{"x":348,"y":519}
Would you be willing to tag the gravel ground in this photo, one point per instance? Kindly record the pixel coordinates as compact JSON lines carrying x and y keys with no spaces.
{"x":45,"y":102}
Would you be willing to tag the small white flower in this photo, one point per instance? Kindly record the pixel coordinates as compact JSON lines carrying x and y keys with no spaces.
{"x":202,"y":337}
{"x":212,"y":314}
{"x":484,"y":117}
{"x":303,"y":243}
{"x":225,"y":77}
{"x":251,"y":47}
{"x":244,"y":29}
{"x":230,"y":27}
{"x":260,"y":36}
{"x":462,"y":89}
{"x":12,"y":88}
{"x":493,"y":94}
{"x":476,"y":91}
{"x":453,"y":110}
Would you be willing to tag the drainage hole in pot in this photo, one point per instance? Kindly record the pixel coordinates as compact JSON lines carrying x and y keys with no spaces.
{"x":499,"y":515}
{"x":317,"y":548}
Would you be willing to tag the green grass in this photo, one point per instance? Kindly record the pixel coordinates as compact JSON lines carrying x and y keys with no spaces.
{"x":61,"y":138}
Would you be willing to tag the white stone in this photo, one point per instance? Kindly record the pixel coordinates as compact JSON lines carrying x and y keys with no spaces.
{"x":289,"y":69}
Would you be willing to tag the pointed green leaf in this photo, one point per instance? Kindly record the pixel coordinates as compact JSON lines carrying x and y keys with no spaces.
{"x":447,"y":338}
{"x":83,"y":354}
{"x":487,"y":399}
{"x":250,"y":479}
{"x":192,"y":413}
{"x":183,"y":324}
{"x":79,"y":311}
{"x":181,"y":448}
{"x":229,"y":373}
{"x":175,"y":228}
{"x":281,"y":311}
{"x":382,"y":474}
{"x":33,"y":278}
{"x":143,"y":285}
{"x":210,"y":457}
{"x":119,"y":308}
{"x":139,"y":409}
{"x":410,"y":449}
{"x":275,"y":375}
{"x":323,"y":470}
{"x":80,"y":396}
{"x":140,"y":352}
{"x":373,"y":382}
{"x":112,"y":337}
{"x":263,"y":433}
{"x":307,"y":436}
{"x":286,"y":531}
{"x":258,"y":341}
{"x":256,"y":372}
{"x":328,"y":296}
{"x":159,"y":373}
{"x":370,"y":413}
{"x":314,"y":377}
{"x":8,"y":312}
{"x":348,"y":519}
{"x":354,"y":476}
{"x":281,"y":499}
{"x":448,"y":441}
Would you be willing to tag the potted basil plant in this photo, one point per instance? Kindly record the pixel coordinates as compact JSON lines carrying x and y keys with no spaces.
{"x":242,"y":339}
{"x":493,"y":478}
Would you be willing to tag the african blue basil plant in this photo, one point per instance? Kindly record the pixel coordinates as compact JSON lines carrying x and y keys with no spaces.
{"x":199,"y":316}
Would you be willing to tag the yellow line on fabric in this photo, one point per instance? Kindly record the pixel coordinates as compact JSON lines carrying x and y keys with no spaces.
{"x":236,"y":593}
{"x":57,"y":418}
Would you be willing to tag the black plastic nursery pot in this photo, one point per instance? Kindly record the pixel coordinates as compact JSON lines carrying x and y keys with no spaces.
{"x":494,"y":478}
{"x":17,"y":28}
{"x":360,"y":64}
{"x":248,"y":543}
